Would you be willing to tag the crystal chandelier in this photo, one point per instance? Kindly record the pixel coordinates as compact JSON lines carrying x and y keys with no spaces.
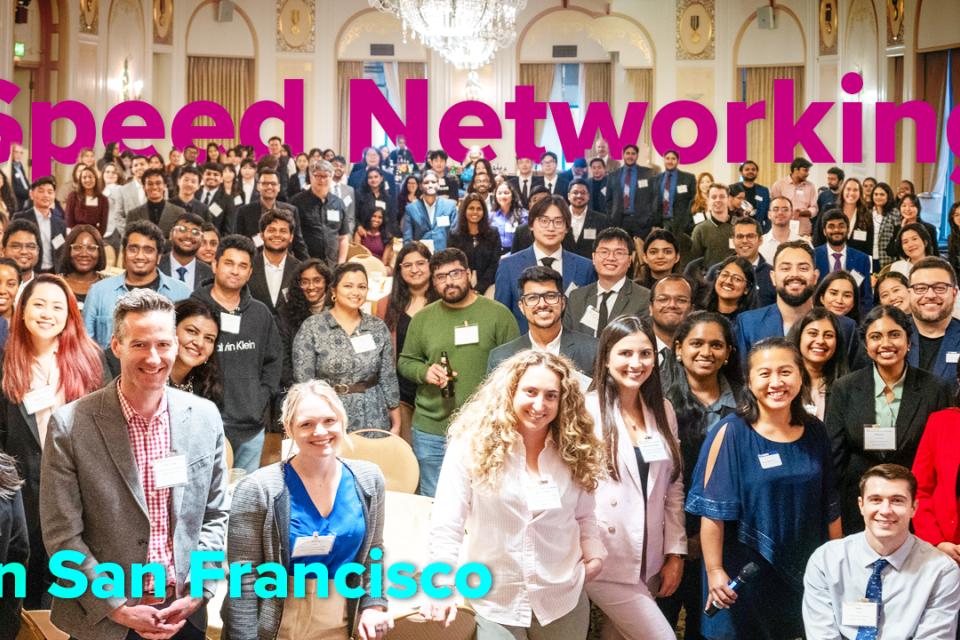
{"x":466,"y":33}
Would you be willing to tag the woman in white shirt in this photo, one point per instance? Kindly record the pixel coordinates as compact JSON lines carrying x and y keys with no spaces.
{"x":640,"y":503}
{"x":519,"y":473}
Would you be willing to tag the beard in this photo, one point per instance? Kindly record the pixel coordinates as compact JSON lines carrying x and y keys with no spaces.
{"x":186,"y":252}
{"x":795,"y":300}
{"x":452,"y":294}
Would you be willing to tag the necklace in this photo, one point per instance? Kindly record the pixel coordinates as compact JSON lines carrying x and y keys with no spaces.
{"x":186,"y":385}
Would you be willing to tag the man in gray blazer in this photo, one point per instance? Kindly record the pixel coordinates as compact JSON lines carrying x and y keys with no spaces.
{"x":126,"y":199}
{"x":135,"y":473}
{"x":542,"y":303}
{"x":590,"y":308}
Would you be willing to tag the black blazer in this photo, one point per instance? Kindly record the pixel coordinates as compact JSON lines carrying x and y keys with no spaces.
{"x":248,"y":224}
{"x":258,"y":281}
{"x":535,"y":181}
{"x":850,"y":405}
{"x":226,"y":220}
{"x":593,"y":225}
{"x":682,"y":219}
{"x":58,"y":227}
{"x":639,"y":223}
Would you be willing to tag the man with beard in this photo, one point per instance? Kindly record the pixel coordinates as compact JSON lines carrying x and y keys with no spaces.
{"x":756,"y":194}
{"x":466,"y":327}
{"x":671,"y":301}
{"x":827,"y":198}
{"x":795,"y":277}
{"x":936,"y":342}
{"x":181,"y":261}
{"x":597,"y":183}
{"x":215,"y":199}
{"x":836,"y":255}
{"x":543,"y":304}
{"x":429,"y":218}
{"x":248,"y":216}
{"x":630,"y":194}
{"x":273,"y":267}
{"x":482,"y":186}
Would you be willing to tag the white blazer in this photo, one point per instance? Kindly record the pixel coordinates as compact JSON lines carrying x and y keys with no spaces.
{"x":620,"y":506}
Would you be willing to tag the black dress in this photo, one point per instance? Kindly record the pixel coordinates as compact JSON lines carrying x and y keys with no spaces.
{"x":483,"y":255}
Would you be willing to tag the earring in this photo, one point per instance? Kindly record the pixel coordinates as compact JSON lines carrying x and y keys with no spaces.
{"x":725,"y":362}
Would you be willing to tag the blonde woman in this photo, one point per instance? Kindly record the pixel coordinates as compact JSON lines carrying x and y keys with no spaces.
{"x":315,"y":495}
{"x":519,"y":473}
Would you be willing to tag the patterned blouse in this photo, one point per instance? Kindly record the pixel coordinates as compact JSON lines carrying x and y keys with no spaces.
{"x":323,"y":350}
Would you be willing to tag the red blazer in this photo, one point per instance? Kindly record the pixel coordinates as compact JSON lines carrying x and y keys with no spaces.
{"x":935,"y":466}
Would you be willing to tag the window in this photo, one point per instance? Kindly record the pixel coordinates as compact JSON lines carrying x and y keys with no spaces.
{"x":375,"y":71}
{"x":566,"y":88}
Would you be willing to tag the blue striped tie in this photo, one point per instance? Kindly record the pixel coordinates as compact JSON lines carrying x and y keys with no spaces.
{"x":874,"y":594}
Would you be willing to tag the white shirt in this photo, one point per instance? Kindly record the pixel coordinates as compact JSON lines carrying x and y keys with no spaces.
{"x":248,"y":188}
{"x":843,"y":257}
{"x":536,"y":558}
{"x":45,"y":238}
{"x":768,"y":247}
{"x":205,"y":194}
{"x":189,"y":277}
{"x":661,"y":345}
{"x":274,"y":276}
{"x":430,"y":209}
{"x":577,"y":222}
{"x":557,"y":256}
{"x":553,"y":346}
{"x":612,"y":300}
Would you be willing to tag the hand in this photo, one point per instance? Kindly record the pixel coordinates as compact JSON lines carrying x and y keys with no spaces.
{"x":437,"y":376}
{"x":719,"y":593}
{"x":374,"y":623}
{"x":445,"y":613}
{"x":592,"y":568}
{"x":361,"y":231}
{"x":670,"y":576}
{"x":180,"y":609}
{"x":145,"y":621}
{"x":951,"y":550}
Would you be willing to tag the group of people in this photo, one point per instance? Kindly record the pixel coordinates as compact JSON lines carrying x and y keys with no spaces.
{"x":630,"y":386}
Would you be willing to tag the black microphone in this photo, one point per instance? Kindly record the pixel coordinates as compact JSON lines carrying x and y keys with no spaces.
{"x":750,"y":570}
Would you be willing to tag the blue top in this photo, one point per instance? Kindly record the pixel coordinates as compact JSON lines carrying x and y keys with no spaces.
{"x":500,"y":221}
{"x":346,"y":520}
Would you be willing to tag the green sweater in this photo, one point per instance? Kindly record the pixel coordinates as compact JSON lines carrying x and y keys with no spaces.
{"x":712,"y":240}
{"x":432,"y":331}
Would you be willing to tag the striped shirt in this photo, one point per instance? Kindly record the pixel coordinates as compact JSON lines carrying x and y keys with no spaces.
{"x":150,"y":441}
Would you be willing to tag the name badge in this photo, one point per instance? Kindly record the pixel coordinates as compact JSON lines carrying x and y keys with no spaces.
{"x":238,"y":200}
{"x":859,"y":614}
{"x":770,"y":460}
{"x":731,"y":244}
{"x":857,"y":276}
{"x":859,"y":235}
{"x":215,"y":209}
{"x":681,"y":188}
{"x":589,"y":234}
{"x":698,"y":218}
{"x":442,"y":182}
{"x":953,"y":357}
{"x":603,"y":191}
{"x":643,"y":184}
{"x":258,"y":241}
{"x":443,"y":221}
{"x":591,"y":318}
{"x":758,"y":198}
{"x":795,"y":227}
{"x":40,"y":399}
{"x":58,"y":241}
{"x":380,"y":203}
{"x":363,"y":343}
{"x":170,"y":472}
{"x":91,"y":201}
{"x":347,"y":201}
{"x":877,"y":438}
{"x":543,"y":496}
{"x":510,"y":227}
{"x":333,"y":215}
{"x":652,"y":449}
{"x":466,"y":335}
{"x":315,"y":545}
{"x":229,"y":322}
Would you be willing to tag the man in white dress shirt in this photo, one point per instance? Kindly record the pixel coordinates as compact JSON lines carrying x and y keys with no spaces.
{"x":781,"y":229}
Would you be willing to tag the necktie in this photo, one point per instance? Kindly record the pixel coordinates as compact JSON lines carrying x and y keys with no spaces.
{"x":550,"y":187}
{"x":547,"y":262}
{"x":667,"y":180}
{"x":182,"y":272}
{"x":525,"y":192}
{"x":836,"y":261}
{"x":627,"y":190}
{"x":602,"y":322}
{"x":209,"y":197}
{"x":874,"y":594}
{"x":664,"y":354}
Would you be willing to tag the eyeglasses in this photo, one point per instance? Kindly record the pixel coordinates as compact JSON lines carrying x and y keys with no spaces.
{"x":312,"y":282}
{"x":20,"y":246}
{"x":745,"y":236}
{"x":269,"y":183}
{"x":196,"y":233}
{"x":410,"y":266}
{"x":134,"y":249}
{"x":939,"y":288}
{"x":732,"y":277}
{"x":455,"y":274}
{"x":619,"y":254}
{"x":533,"y":299}
{"x":662,"y":299}
{"x":84,"y":248}
{"x":556,"y":223}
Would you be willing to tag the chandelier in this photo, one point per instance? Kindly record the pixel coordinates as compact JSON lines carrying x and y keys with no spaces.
{"x":466,"y":33}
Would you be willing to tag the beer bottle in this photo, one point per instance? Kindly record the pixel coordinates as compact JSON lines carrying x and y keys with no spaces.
{"x":447,"y":391}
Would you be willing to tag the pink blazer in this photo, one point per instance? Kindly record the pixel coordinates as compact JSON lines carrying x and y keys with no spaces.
{"x":620,"y":507}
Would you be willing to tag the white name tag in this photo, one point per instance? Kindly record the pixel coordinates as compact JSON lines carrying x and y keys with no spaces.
{"x":603,"y":191}
{"x":363,"y":343}
{"x":795,"y":227}
{"x":258,"y":241}
{"x":731,"y":244}
{"x":347,"y":201}
{"x":643,"y":184}
{"x":91,"y":201}
{"x":652,"y":449}
{"x":589,"y":234}
{"x":443,"y":221}
{"x":591,"y":318}
{"x":770,"y":460}
{"x":215,"y":209}
{"x":40,"y":399}
{"x":879,"y":438}
{"x":380,"y":203}
{"x":698,"y":218}
{"x":510,"y":227}
{"x":543,"y":496}
{"x":859,"y":235}
{"x":953,"y":357}
{"x":466,"y":335}
{"x":758,"y":198}
{"x":859,"y":614}
{"x":58,"y":241}
{"x":442,"y":182}
{"x":170,"y":472}
{"x":681,"y":188}
{"x":312,"y":545}
{"x":333,"y":215}
{"x":229,"y":322}
{"x":238,"y":200}
{"x":857,"y":276}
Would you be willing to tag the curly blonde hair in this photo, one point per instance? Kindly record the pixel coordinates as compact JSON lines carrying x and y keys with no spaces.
{"x":488,"y":425}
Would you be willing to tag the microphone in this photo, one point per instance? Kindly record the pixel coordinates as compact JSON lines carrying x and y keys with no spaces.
{"x":750,"y":570}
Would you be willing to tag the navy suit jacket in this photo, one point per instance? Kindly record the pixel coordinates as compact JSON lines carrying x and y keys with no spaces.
{"x":762,"y":205}
{"x":856,"y":261}
{"x":942,"y":368}
{"x":767,"y":322}
{"x":416,"y":222}
{"x":576,"y":271}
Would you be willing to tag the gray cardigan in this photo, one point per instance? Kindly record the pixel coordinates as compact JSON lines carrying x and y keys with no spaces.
{"x":259,"y":532}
